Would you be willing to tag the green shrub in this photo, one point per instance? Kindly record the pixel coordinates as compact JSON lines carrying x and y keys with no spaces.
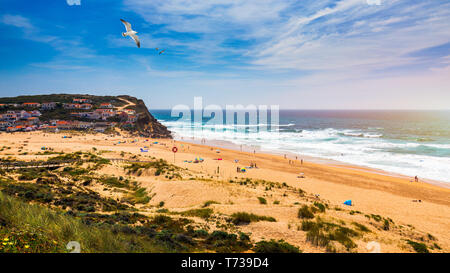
{"x":320,"y":233}
{"x":262,"y":200}
{"x":210,"y":202}
{"x":386,"y":225}
{"x":418,"y":247}
{"x":202,"y":213}
{"x":273,"y":246}
{"x":361,"y":227}
{"x":246,"y":218}
{"x":305,"y":212}
{"x":320,"y":206}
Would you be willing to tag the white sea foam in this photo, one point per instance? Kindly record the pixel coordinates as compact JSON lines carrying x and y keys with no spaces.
{"x":350,"y":146}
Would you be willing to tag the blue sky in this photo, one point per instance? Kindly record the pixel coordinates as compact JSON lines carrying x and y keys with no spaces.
{"x":308,"y":54}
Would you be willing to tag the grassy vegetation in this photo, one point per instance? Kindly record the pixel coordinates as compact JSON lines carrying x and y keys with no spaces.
{"x":418,"y":247}
{"x":139,"y":196}
{"x":209,"y":203}
{"x":273,"y":246}
{"x":305,"y":212}
{"x":321,"y":207}
{"x":240,"y":218}
{"x":321,"y":233}
{"x":51,"y":190}
{"x":361,"y":227}
{"x":116,"y":182}
{"x":202,"y":213}
{"x":33,"y":228}
{"x":262,"y":200}
{"x":161,"y":167}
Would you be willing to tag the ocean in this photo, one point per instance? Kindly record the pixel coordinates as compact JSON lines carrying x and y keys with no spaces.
{"x":403,"y":142}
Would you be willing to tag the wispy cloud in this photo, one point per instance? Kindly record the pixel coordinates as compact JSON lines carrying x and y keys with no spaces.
{"x":68,"y":48}
{"x":17,"y":21}
{"x":307,"y":35}
{"x":73,"y":2}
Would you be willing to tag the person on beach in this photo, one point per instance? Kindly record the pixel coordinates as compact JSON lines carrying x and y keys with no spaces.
{"x":301,"y":162}
{"x":416,"y":179}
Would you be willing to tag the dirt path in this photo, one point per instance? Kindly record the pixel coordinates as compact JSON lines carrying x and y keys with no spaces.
{"x":129,"y":103}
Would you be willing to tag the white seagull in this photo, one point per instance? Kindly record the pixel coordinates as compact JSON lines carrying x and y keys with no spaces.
{"x":130,"y":32}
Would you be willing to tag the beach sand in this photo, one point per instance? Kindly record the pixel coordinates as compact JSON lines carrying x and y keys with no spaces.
{"x":372,"y":192}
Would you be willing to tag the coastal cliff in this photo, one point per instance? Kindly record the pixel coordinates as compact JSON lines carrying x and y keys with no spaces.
{"x":147,"y":125}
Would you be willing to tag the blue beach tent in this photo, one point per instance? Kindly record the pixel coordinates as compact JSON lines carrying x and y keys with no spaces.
{"x":348,"y":202}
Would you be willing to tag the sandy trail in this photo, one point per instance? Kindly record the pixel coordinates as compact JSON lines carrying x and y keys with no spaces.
{"x":128,"y":103}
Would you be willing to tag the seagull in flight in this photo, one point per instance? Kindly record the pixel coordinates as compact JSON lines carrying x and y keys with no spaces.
{"x":130,"y":32}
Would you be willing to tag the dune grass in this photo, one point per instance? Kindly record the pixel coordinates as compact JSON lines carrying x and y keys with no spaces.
{"x":321,"y":233}
{"x":273,"y":246}
{"x":240,"y":218}
{"x":52,"y":230}
{"x":202,"y":213}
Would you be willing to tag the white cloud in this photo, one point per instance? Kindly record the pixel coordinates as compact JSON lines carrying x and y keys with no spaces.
{"x":73,"y":2}
{"x":17,"y":21}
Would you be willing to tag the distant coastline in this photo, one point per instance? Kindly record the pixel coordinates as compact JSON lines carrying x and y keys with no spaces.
{"x":406,"y":143}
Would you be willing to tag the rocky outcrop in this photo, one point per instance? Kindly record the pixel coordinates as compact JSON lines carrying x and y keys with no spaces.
{"x":147,"y":125}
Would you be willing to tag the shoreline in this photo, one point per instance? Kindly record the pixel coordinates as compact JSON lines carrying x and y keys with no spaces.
{"x":318,"y":160}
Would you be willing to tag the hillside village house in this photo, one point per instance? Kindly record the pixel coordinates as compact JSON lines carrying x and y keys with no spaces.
{"x":129,"y":111}
{"x":26,"y":119}
{"x":105,"y":113}
{"x":10,"y":116}
{"x":4,"y":125}
{"x":79,"y":100}
{"x":106,"y":105}
{"x":84,"y":106}
{"x":31,"y":104}
{"x":13,"y":129}
{"x":48,"y":105}
{"x":132,"y":119}
{"x":13,"y":116}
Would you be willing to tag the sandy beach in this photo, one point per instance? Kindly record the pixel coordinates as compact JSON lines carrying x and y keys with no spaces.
{"x":372,"y":193}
